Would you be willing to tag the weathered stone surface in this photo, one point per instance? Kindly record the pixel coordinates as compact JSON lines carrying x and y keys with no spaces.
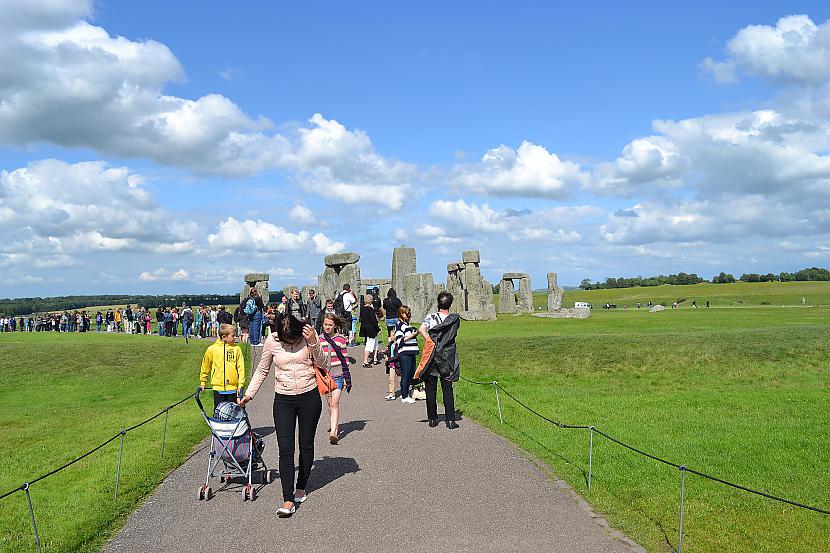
{"x":567,"y":313}
{"x":327,"y":284}
{"x":382,"y":284}
{"x":253,"y":278}
{"x":349,"y":274}
{"x":525,"y":296}
{"x":555,"y":294}
{"x":453,"y":267}
{"x":515,"y":276}
{"x":344,"y":258}
{"x":657,"y":308}
{"x":507,"y":296}
{"x":471,"y":256}
{"x":287,"y":290}
{"x":404,"y":262}
{"x":419,"y":290}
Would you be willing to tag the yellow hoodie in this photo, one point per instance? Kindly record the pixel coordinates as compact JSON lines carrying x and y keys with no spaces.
{"x":225,"y":366}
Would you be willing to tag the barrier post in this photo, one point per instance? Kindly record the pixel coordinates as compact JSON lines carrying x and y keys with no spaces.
{"x":164,"y":435}
{"x":118,"y":469}
{"x":590,"y":457}
{"x":498,"y":400}
{"x":682,"y":500}
{"x":32,"y":515}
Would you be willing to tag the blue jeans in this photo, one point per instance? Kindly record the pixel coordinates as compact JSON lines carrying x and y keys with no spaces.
{"x":407,"y":372}
{"x":99,"y":326}
{"x":255,"y":332}
{"x":186,"y":329}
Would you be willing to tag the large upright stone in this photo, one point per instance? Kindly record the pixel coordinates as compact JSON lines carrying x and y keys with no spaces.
{"x":525,"y":295}
{"x":419,"y":288}
{"x":507,"y":296}
{"x":349,"y":274}
{"x":403,"y":263}
{"x":258,"y":281}
{"x":471,"y":256}
{"x":327,"y":284}
{"x":555,"y":294}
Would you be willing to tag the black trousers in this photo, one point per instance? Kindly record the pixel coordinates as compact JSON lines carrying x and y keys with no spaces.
{"x":291,"y":412}
{"x":431,"y":385}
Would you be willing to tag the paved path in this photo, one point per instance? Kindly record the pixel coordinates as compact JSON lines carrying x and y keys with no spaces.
{"x":391,"y":484}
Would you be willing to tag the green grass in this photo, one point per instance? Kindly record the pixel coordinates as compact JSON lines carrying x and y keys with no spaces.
{"x":719,"y":295}
{"x":741,"y":394}
{"x":65,"y":394}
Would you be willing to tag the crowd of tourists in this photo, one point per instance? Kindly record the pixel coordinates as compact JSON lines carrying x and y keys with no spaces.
{"x":307,"y":346}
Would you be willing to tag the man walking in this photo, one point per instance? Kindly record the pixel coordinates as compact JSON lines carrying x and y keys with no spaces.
{"x":314,"y":308}
{"x":439,"y":331}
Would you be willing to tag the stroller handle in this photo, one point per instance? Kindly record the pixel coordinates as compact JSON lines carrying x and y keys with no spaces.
{"x":198,"y":400}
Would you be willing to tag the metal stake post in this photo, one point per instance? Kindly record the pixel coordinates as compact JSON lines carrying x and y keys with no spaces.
{"x":118,"y":470}
{"x":498,"y":401}
{"x":32,"y":515}
{"x":682,"y":500}
{"x":590,"y":457}
{"x":164,"y":435}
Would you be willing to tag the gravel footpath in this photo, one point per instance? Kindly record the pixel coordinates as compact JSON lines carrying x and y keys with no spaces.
{"x":392,"y":483}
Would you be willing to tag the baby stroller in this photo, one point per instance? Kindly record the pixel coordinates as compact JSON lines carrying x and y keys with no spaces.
{"x":235,"y":445}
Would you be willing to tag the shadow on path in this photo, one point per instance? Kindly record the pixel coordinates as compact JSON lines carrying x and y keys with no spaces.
{"x":348,"y":427}
{"x":264,"y":431}
{"x":328,"y":469}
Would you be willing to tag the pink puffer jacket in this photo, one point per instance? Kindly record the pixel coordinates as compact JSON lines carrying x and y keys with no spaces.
{"x":293,"y":370}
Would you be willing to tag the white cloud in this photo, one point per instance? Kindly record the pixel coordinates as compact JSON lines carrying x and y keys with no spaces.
{"x":54,"y":207}
{"x":530,"y":171}
{"x":164,"y":274}
{"x":469,"y":216}
{"x":72,"y":84}
{"x":795,"y":49}
{"x":264,"y":237}
{"x":538,"y":234}
{"x":301,"y":214}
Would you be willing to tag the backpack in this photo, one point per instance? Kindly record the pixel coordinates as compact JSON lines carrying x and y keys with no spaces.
{"x":250,"y":306}
{"x":339,"y":308}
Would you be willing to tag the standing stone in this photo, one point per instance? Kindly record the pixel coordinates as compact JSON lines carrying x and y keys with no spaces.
{"x":349,"y":274}
{"x":403,"y":263}
{"x":525,"y":295}
{"x":327,"y":284}
{"x":555,"y":294}
{"x":420,"y":293}
{"x":258,"y":281}
{"x":507,"y":296}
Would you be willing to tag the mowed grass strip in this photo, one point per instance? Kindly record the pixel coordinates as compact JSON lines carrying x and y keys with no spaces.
{"x":741,"y":394}
{"x":66,"y":393}
{"x":738,"y":294}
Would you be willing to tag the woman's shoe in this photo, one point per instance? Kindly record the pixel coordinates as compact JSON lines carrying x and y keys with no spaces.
{"x":298,"y":500}
{"x":452,"y":425}
{"x":282,"y":512}
{"x":433,"y":423}
{"x":367,"y":366}
{"x":333,"y":440}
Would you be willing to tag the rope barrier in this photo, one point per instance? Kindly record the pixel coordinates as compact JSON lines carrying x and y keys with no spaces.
{"x":683,"y":468}
{"x":93,"y":450}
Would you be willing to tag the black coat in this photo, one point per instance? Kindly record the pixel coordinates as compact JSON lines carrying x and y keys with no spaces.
{"x":444,"y":357}
{"x":368,"y":322}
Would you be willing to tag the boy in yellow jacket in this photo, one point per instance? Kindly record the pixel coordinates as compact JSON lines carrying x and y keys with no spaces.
{"x":224,"y":363}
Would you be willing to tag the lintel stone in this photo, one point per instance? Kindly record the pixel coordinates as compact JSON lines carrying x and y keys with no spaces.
{"x":345,"y":258}
{"x":470,"y":256}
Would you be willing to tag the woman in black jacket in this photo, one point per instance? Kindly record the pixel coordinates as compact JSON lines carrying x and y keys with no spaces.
{"x":391,"y":306}
{"x":369,"y":329}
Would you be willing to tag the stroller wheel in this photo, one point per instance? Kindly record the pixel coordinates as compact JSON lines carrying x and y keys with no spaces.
{"x":269,"y":477}
{"x":201,"y":493}
{"x":246,"y":493}
{"x":208,"y":493}
{"x":252,"y":493}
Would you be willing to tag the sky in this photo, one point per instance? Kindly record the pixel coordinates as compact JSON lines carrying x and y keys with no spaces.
{"x":172,"y":147}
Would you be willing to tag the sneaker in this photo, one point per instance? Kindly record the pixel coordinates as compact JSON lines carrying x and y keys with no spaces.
{"x":407,"y":400}
{"x":390,"y":397}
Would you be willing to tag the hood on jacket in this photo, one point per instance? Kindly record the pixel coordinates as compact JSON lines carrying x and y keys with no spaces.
{"x":391,"y":293}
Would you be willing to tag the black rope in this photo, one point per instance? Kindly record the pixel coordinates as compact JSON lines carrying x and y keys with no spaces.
{"x":475,"y":381}
{"x":658,"y":459}
{"x":93,"y":450}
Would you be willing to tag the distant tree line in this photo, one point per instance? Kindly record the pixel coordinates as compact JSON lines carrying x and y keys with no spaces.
{"x":622,"y":282}
{"x":27,"y":306}
{"x":811,"y":274}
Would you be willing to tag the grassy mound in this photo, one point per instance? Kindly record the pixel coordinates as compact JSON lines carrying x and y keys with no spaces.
{"x":67,"y":393}
{"x":741,"y":394}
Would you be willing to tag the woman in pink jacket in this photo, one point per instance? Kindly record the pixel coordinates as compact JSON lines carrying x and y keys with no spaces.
{"x":297,"y":401}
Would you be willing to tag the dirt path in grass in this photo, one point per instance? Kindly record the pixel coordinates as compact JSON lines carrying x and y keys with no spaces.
{"x":393,"y":483}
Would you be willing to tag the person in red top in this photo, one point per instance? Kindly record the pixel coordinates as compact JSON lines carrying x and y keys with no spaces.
{"x":335,"y":350}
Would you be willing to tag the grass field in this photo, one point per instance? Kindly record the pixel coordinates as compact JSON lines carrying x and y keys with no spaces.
{"x":738,"y":294}
{"x":66,"y":393}
{"x":741,"y":394}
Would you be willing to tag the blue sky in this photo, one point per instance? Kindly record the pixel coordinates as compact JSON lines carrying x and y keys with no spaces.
{"x":167,"y":147}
